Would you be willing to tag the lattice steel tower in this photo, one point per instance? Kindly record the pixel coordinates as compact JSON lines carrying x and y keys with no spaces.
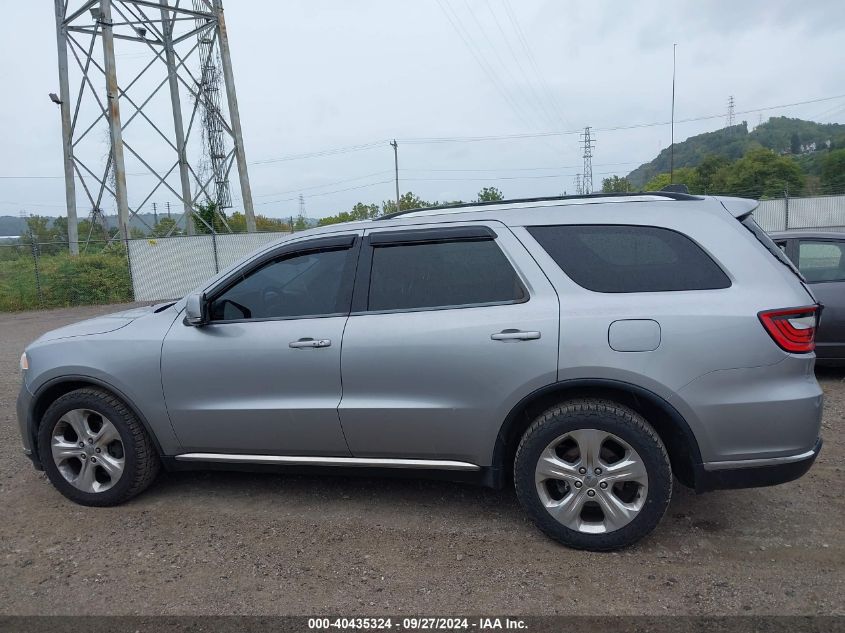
{"x":187,"y":150}
{"x":587,"y":143}
{"x":729,"y":118}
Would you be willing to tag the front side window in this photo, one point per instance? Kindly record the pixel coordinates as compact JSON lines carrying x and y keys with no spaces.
{"x":306,"y":284}
{"x":623,"y":258}
{"x":822,"y":261}
{"x":441,"y":274}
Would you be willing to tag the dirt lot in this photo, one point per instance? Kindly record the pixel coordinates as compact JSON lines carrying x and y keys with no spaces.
{"x":230,"y":543}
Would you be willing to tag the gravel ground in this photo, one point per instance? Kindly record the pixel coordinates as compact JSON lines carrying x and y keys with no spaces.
{"x":232,"y":543}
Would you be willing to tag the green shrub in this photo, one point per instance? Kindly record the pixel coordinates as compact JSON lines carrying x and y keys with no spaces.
{"x":65,"y":280}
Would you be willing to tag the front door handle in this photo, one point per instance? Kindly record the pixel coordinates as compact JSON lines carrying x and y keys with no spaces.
{"x":515,"y":335}
{"x":310,"y":342}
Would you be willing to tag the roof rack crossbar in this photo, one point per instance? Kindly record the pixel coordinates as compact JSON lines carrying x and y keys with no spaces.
{"x":460,"y":205}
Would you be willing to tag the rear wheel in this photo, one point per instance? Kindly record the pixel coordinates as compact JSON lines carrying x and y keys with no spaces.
{"x":94,"y":449}
{"x":593,"y":474}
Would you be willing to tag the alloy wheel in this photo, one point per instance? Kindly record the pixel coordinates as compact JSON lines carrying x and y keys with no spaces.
{"x":591,"y":481}
{"x":87,"y":450}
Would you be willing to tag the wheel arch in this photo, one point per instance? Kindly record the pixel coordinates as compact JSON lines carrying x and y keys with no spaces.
{"x":53,"y":389}
{"x":670,"y":425}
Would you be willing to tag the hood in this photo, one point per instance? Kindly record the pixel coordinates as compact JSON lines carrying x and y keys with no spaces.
{"x":97,"y":325}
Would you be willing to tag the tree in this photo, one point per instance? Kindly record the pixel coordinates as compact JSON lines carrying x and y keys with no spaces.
{"x":795,"y":143}
{"x":833,"y":172}
{"x":407,"y":201}
{"x":759,"y":174}
{"x":708,"y":168}
{"x":615,"y":184}
{"x":209,"y":215}
{"x":683,"y":176}
{"x":490,"y":194}
{"x":163,"y":227}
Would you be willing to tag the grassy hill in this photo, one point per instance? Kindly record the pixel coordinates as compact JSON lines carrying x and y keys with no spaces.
{"x":781,"y":134}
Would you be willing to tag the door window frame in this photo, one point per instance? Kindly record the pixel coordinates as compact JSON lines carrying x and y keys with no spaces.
{"x":398,"y":237}
{"x":349,"y":242}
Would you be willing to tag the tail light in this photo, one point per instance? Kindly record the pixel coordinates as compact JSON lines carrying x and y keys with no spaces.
{"x":793,"y":329}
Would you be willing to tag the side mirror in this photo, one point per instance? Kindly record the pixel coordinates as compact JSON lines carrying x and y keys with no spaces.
{"x":195,"y":309}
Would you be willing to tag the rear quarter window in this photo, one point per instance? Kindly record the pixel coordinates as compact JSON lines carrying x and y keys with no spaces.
{"x":627,"y":258}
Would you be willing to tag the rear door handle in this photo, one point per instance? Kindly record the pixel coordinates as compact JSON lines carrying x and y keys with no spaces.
{"x":515,"y":335}
{"x":310,"y":342}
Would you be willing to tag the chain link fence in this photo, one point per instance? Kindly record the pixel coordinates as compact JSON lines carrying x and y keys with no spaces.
{"x":169,"y":268}
{"x":820,"y":213}
{"x":37,"y":274}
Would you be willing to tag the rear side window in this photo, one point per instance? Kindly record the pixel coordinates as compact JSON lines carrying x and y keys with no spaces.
{"x":822,"y":261}
{"x":624,"y":258}
{"x":441,"y":274}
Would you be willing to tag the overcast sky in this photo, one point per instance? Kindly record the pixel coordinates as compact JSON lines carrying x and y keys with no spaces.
{"x":324,"y":74}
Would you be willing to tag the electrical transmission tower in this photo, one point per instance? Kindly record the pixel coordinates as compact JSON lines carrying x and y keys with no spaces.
{"x":587,"y":143}
{"x":179,"y":139}
{"x":729,"y":118}
{"x":301,"y":206}
{"x":579,"y":189}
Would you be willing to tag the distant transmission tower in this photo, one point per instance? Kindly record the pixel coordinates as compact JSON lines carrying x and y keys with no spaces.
{"x":301,"y":206}
{"x":145,"y":135}
{"x":587,"y":143}
{"x":729,"y":118}
{"x":213,"y":139}
{"x":579,"y":189}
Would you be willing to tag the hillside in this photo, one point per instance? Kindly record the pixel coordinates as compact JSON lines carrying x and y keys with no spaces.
{"x":781,"y":134}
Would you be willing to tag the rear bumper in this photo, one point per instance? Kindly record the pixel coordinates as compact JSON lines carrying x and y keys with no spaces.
{"x":754,"y":473}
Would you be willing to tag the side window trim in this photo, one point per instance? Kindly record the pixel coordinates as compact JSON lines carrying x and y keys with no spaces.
{"x":348,"y":242}
{"x":400,"y":237}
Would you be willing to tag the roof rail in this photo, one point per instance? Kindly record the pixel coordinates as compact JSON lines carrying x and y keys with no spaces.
{"x":673,"y":195}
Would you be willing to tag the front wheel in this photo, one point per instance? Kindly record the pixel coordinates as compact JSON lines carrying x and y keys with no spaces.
{"x":94,"y":449}
{"x":593,"y":475}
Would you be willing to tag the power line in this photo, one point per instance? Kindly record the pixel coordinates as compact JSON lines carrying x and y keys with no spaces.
{"x":532,"y":60}
{"x":549,"y":114}
{"x":509,"y":80}
{"x":458,"y":27}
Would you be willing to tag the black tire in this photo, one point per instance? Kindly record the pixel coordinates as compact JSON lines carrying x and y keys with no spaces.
{"x":141,"y":462}
{"x":603,"y":415}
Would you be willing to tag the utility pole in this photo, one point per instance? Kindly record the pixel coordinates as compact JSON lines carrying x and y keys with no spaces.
{"x":395,"y":147}
{"x":234,"y":116}
{"x":67,"y":132}
{"x":115,"y":129}
{"x":672,"y":146}
{"x":588,"y":143}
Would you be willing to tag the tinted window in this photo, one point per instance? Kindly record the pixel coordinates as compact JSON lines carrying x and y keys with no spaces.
{"x":611,"y":258}
{"x":298,"y":285}
{"x":822,"y":261}
{"x":409,"y":276}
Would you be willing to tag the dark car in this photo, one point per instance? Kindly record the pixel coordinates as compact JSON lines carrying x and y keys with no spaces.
{"x":820,"y":256}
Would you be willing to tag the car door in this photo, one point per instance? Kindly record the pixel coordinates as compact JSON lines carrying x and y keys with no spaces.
{"x":822,"y":262}
{"x":450,"y":328}
{"x":263,"y":375}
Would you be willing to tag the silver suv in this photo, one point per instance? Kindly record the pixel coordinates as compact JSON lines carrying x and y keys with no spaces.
{"x":585,"y":348}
